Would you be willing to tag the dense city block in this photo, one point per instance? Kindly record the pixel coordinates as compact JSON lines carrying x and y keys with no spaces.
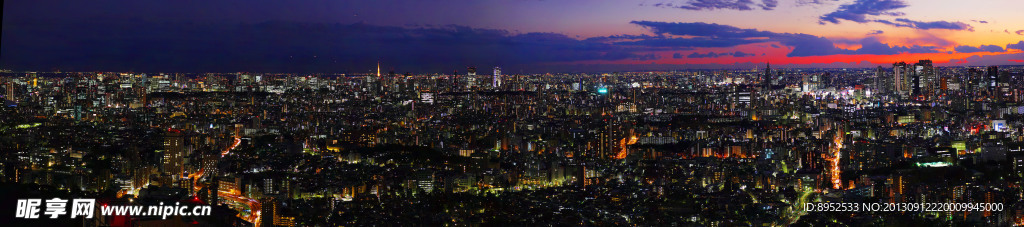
{"x":482,"y":147}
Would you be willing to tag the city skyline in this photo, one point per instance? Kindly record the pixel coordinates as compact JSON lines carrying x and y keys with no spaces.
{"x":520,"y":36}
{"x":269,"y":113}
{"x":761,"y":147}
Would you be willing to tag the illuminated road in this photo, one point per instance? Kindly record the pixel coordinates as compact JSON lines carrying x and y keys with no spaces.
{"x":233,"y":196}
{"x":796,"y":208}
{"x":254,"y":206}
{"x":622,"y":144}
{"x":833,"y":159}
{"x":226,"y":151}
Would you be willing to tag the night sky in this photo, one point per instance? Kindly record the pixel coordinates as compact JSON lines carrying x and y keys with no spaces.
{"x":432,"y":36}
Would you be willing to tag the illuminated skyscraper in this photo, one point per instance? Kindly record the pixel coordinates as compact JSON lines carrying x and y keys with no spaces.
{"x":10,"y":90}
{"x":496,"y":82}
{"x":268,"y":210}
{"x":174,"y":157}
{"x":882,"y":84}
{"x":925,"y":74}
{"x":455,"y":81}
{"x":900,"y":80}
{"x":470,"y":77}
{"x":805,"y":83}
{"x":992,"y":78}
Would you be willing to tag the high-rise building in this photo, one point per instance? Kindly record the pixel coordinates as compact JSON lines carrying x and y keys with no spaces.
{"x":974,"y":81}
{"x":915,"y":83}
{"x":268,"y":207}
{"x":10,"y":90}
{"x":925,"y":74}
{"x":900,"y":78}
{"x":805,"y":83}
{"x":882,"y":84}
{"x":471,"y":77}
{"x":455,"y":81}
{"x":992,"y":78}
{"x":496,"y":82}
{"x":767,"y":77}
{"x":174,"y":157}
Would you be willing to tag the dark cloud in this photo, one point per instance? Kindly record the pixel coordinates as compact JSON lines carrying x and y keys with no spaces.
{"x":721,"y":4}
{"x":860,"y":9}
{"x":769,"y":4}
{"x":871,"y":45}
{"x":677,"y":55}
{"x":813,"y":2}
{"x":284,"y":47}
{"x":741,"y":54}
{"x":1016,"y":46}
{"x":1020,"y":32}
{"x":907,"y":23}
{"x":998,"y":59}
{"x":876,"y":32}
{"x":701,"y":29}
{"x":925,"y":25}
{"x":700,"y":55}
{"x":715,"y":55}
{"x":646,"y":57}
{"x":716,"y":35}
{"x":982,"y":48}
{"x":619,"y":38}
{"x":687,"y":43}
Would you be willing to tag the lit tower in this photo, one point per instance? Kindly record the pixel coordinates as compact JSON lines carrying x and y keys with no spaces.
{"x":10,"y":90}
{"x":992,"y":78}
{"x":926,"y":71}
{"x":496,"y":82}
{"x":899,"y":71}
{"x":174,"y":153}
{"x":470,"y":77}
{"x":880,"y":85}
{"x":370,"y":78}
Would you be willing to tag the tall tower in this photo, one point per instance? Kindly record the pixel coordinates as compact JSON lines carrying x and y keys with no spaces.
{"x":471,"y":77}
{"x":767,"y":80}
{"x":992,"y":78}
{"x":174,"y":153}
{"x":880,"y":84}
{"x":10,"y":90}
{"x":925,"y":74}
{"x":496,"y":82}
{"x":899,"y":71}
{"x":370,"y":79}
{"x":805,"y":83}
